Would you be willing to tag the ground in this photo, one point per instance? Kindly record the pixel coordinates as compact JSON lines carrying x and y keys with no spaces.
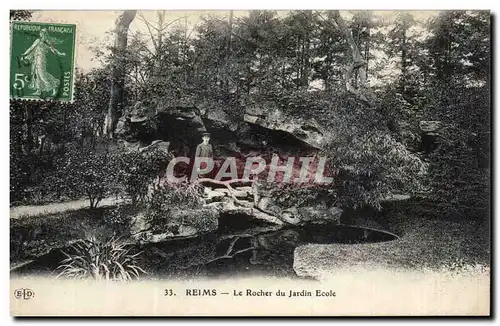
{"x":36,"y":210}
{"x":424,"y":243}
{"x":37,"y":233}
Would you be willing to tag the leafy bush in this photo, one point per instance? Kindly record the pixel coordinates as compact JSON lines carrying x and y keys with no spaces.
{"x":289,"y":195}
{"x":372,"y":164}
{"x":165,"y":199}
{"x":34,"y":179}
{"x":19,"y":176}
{"x":137,"y":170}
{"x":119,"y":219}
{"x":108,"y":260}
{"x":188,"y":195}
{"x":158,"y":214}
{"x":90,"y":174}
{"x":458,"y":187}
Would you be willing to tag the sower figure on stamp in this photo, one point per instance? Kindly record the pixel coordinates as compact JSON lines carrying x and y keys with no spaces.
{"x":36,"y":55}
{"x":204,"y":150}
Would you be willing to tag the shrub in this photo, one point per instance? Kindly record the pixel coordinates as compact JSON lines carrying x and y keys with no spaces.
{"x":34,"y":179}
{"x":165,"y":199}
{"x":119,"y":219}
{"x":137,"y":170}
{"x":372,"y":160}
{"x":89,"y":174}
{"x":108,"y":260}
{"x":187,"y":195}
{"x":458,"y":186}
{"x":289,"y":195}
{"x":459,"y":176}
{"x":372,"y":164}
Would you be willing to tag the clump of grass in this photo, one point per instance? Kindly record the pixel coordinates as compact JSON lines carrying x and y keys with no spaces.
{"x":100,"y":260}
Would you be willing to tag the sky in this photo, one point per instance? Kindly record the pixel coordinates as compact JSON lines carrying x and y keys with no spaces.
{"x":94,"y":27}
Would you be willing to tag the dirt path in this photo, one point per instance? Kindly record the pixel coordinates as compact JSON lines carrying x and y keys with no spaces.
{"x":36,"y":210}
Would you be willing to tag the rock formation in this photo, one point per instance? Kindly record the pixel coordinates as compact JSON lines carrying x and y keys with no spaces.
{"x":256,"y":132}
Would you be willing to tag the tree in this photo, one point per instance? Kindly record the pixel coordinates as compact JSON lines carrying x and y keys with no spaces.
{"x":91,"y":174}
{"x":118,"y":70}
{"x":459,"y":81}
{"x":358,"y":67}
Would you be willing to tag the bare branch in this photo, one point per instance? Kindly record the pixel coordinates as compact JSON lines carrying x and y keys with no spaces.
{"x":173,"y":21}
{"x":231,"y":256}
{"x":149,"y":26}
{"x":231,"y":245}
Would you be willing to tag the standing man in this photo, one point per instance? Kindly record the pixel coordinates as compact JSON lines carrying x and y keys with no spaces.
{"x":204,"y":150}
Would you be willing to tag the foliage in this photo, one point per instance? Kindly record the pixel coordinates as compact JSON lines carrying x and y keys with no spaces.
{"x":420,"y":70}
{"x":159,"y":210}
{"x":373,"y":167}
{"x":184,"y":194}
{"x":107,"y":260}
{"x":21,"y":14}
{"x":458,"y":189}
{"x":90,"y":174}
{"x":289,"y":195}
{"x":459,"y":173}
{"x":137,"y":170}
{"x":43,"y":133}
{"x":167,"y":198}
{"x":119,"y":219}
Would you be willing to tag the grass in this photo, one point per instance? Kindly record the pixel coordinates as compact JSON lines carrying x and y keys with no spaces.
{"x":426,"y":243}
{"x":33,"y":236}
{"x":100,"y":260}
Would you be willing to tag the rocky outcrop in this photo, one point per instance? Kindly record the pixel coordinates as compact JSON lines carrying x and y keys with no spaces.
{"x":307,"y":131}
{"x":249,"y":198}
{"x":257,"y":129}
{"x":146,"y":122}
{"x":182,"y":223}
{"x":159,"y":145}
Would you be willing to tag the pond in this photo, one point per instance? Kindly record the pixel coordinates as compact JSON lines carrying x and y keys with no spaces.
{"x":240,"y":247}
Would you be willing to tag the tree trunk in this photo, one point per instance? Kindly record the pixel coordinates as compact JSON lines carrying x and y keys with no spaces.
{"x":403,"y":60}
{"x":299,"y":63}
{"x":115,"y":107}
{"x":358,"y":67}
{"x":367,"y":49}
{"x":185,"y":51}
{"x":42,"y":143}
{"x":29,"y":128}
{"x":227,"y":56}
{"x":229,"y":33}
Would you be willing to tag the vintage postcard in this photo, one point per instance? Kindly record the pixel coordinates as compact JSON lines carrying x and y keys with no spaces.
{"x":250,"y":163}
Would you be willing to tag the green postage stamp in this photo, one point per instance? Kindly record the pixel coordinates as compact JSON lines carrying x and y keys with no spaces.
{"x":42,"y":61}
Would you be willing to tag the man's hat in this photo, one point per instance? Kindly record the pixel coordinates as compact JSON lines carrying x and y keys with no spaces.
{"x":205,"y":134}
